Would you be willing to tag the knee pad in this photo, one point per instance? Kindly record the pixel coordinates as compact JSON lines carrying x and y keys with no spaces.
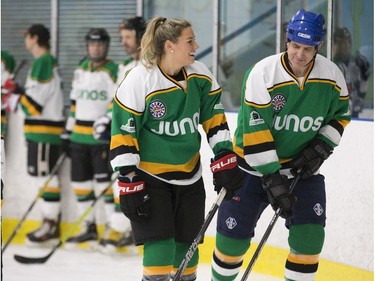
{"x":306,"y":239}
{"x":230,"y":246}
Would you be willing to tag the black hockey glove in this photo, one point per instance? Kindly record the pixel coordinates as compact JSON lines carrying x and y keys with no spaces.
{"x":278,"y":194}
{"x":65,"y":143}
{"x":226,"y":173}
{"x":311,"y":158}
{"x":102,"y":129}
{"x":134,"y":199}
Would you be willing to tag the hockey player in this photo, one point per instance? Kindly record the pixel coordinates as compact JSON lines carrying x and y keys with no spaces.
{"x":8,"y":85}
{"x":356,"y":69}
{"x":119,"y":232}
{"x":93,"y":87}
{"x":42,"y":104}
{"x":155,"y":146}
{"x":295,"y":106}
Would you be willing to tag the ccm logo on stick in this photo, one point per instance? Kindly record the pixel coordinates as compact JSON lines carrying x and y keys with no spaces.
{"x":227,"y":162}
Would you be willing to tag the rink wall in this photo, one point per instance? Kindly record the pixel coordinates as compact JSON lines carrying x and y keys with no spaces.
{"x":349,"y":184}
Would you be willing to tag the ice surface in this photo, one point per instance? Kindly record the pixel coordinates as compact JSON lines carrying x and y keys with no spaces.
{"x":85,"y":265}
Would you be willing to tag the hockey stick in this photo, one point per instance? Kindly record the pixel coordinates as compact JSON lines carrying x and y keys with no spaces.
{"x":19,"y":67}
{"x":267,"y":234}
{"x":200,"y":235}
{"x":54,"y":170}
{"x":69,"y":233}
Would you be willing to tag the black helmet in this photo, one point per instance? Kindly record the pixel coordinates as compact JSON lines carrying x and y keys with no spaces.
{"x":136,"y":23}
{"x":97,"y":34}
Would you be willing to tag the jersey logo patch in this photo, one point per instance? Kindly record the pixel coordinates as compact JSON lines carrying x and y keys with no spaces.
{"x":318,"y":209}
{"x":278,"y":102}
{"x":255,"y":119}
{"x":129,"y":127}
{"x":158,"y":109}
{"x":231,"y":222}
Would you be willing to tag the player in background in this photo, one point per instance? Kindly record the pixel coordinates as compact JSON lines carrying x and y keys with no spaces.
{"x":93,"y":87}
{"x":131,"y":32}
{"x":42,"y":103}
{"x":8,"y":64}
{"x":295,"y":106}
{"x":119,"y":233}
{"x":155,"y":146}
{"x":356,"y":69}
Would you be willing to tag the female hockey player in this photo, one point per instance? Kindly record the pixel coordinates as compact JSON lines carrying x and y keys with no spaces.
{"x":295,"y":106}
{"x":155,"y":145}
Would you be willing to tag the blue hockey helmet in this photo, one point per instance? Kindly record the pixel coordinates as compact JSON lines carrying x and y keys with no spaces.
{"x":306,"y":28}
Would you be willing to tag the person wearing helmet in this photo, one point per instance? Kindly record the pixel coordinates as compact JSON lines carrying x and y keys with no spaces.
{"x":295,"y":106}
{"x":93,"y":88}
{"x":356,"y":69}
{"x":118,"y":232}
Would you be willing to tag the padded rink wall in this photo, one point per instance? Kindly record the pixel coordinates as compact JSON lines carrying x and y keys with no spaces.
{"x":349,"y":245}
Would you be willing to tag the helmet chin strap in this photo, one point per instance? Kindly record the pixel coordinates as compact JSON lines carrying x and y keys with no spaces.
{"x":316,"y":52}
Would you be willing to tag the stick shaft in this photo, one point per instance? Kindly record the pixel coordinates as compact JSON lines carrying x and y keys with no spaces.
{"x":200,"y":235}
{"x":266,"y":234}
{"x":71,"y":230}
{"x":40,"y":193}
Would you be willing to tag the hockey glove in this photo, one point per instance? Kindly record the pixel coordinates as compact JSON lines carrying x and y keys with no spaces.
{"x":65,"y":143}
{"x":102,"y":129}
{"x":134,"y":199}
{"x":278,"y":194}
{"x":11,"y":87}
{"x":311,"y":158}
{"x":226,"y":173}
{"x":9,"y":102}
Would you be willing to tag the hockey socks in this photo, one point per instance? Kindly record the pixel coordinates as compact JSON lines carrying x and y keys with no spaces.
{"x":306,"y":242}
{"x":228,"y":257}
{"x":162,"y":258}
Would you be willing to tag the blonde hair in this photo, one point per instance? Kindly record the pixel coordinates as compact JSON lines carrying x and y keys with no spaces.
{"x":158,"y":31}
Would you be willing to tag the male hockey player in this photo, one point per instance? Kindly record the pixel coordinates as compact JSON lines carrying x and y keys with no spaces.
{"x":295,"y":106}
{"x":118,"y":233}
{"x":93,"y":87}
{"x":356,"y":69}
{"x":42,"y":104}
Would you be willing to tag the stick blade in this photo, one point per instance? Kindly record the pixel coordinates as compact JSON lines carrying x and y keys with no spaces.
{"x":31,"y":260}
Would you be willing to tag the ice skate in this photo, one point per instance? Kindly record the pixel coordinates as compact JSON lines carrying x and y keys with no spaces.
{"x":113,"y":240}
{"x":88,"y":235}
{"x":47,"y":234}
